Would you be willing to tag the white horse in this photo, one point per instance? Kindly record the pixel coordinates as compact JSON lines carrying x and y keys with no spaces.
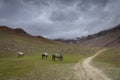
{"x":44,"y":55}
{"x":20,"y":54}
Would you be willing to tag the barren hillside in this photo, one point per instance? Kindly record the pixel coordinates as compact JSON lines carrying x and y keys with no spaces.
{"x":106,"y":38}
{"x":14,"y":40}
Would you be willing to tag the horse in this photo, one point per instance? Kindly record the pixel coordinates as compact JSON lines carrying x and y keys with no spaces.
{"x":20,"y":54}
{"x":59,"y":56}
{"x":44,"y":55}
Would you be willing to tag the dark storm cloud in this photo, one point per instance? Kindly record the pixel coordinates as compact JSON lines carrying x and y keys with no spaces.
{"x":60,"y":18}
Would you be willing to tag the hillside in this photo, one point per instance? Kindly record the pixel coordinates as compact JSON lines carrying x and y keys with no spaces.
{"x":22,"y":33}
{"x":14,"y":40}
{"x":106,"y":38}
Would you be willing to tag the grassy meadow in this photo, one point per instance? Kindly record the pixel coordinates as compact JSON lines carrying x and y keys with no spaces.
{"x":32,"y":67}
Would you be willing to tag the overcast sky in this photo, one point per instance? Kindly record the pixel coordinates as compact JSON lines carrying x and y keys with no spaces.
{"x":60,"y":18}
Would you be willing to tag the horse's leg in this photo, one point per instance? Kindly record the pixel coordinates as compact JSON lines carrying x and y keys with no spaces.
{"x":22,"y":55}
{"x":58,"y":58}
{"x":46,"y":57}
{"x":61,"y":58}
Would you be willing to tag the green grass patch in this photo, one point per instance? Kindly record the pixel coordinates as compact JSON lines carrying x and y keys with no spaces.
{"x":109,"y":62}
{"x":33,"y":67}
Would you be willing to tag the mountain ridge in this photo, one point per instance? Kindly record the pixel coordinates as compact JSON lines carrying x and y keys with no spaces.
{"x":21,"y":32}
{"x":105,"y":38}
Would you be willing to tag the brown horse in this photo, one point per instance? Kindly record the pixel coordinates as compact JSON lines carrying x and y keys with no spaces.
{"x":59,"y":56}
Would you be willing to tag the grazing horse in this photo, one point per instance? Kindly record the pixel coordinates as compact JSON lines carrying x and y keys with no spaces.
{"x":59,"y":56}
{"x":44,"y":55}
{"x":20,"y":54}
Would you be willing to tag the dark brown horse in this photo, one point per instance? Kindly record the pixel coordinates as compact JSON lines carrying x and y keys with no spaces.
{"x":59,"y":56}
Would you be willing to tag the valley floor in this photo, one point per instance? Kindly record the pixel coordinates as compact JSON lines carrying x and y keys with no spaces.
{"x":73,"y":67}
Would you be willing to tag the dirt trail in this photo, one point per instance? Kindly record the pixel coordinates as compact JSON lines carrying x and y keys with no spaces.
{"x":85,"y":71}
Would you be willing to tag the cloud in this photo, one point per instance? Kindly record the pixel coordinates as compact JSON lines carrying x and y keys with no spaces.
{"x":60,"y":18}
